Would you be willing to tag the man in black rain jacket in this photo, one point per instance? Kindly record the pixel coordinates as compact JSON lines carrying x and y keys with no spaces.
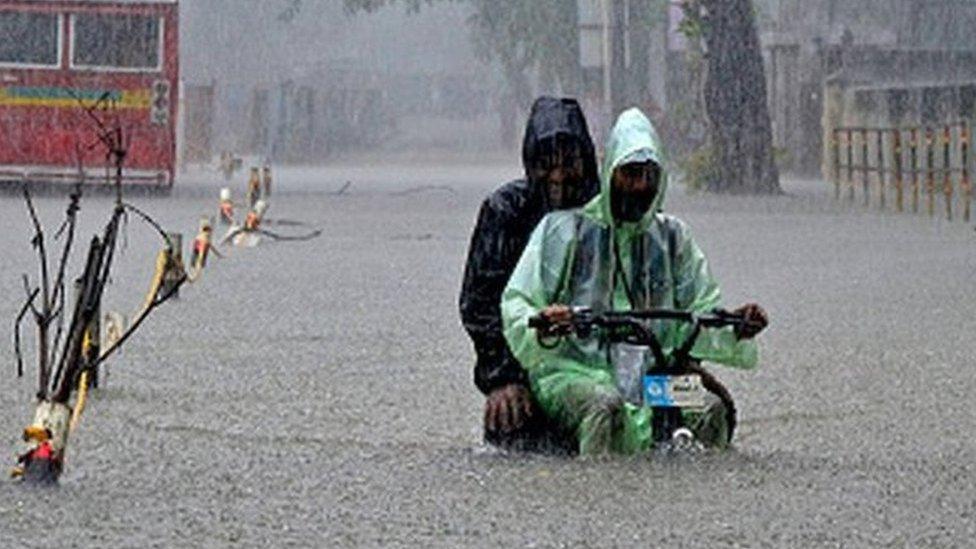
{"x":560,"y":172}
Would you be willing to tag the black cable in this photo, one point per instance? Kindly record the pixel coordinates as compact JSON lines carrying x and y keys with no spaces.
{"x":618,"y":269}
{"x":284,"y":238}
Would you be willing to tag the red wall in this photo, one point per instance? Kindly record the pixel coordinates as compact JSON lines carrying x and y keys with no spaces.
{"x":51,"y":135}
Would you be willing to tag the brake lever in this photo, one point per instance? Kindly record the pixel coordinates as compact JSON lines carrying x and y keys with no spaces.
{"x":581,"y":323}
{"x":736,"y":320}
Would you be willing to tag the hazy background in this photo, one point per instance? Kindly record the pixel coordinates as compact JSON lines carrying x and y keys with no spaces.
{"x":307,"y":81}
{"x":433,"y":92}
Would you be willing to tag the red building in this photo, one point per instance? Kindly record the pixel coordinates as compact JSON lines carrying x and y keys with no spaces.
{"x":58,"y":57}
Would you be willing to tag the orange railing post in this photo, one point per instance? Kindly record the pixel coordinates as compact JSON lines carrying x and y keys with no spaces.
{"x":896,"y":159}
{"x":947,"y":169}
{"x":930,"y":169}
{"x":881,"y":171}
{"x":850,"y":164}
{"x":865,"y":172}
{"x":915,"y":171}
{"x":967,"y":187}
{"x":835,"y":146}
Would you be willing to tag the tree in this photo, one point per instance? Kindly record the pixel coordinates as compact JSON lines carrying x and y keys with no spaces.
{"x":519,"y":35}
{"x":736,"y":100}
{"x":522,"y":34}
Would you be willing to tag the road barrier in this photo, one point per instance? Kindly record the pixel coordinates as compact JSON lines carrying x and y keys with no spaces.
{"x":930,"y":160}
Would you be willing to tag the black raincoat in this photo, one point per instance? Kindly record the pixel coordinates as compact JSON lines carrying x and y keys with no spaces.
{"x":505,"y":222}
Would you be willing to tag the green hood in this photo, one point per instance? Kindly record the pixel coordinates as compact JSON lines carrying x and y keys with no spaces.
{"x":632,"y":135}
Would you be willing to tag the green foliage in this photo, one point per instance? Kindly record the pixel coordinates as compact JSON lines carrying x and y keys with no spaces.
{"x":783,"y":157}
{"x":525,"y":34}
{"x":518,"y":34}
{"x":687,"y":126}
{"x":373,"y":5}
{"x":699,"y":169}
{"x":692,"y":25}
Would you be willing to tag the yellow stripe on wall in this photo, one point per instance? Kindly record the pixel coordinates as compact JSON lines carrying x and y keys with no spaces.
{"x":130,"y":99}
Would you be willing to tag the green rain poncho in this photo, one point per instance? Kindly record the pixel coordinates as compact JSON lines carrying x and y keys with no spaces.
{"x":570,"y":260}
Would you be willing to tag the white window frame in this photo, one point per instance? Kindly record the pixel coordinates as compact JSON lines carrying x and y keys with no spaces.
{"x":55,"y":66}
{"x":160,"y":43}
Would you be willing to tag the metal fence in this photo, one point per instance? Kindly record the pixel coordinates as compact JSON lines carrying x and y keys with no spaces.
{"x":930,"y":164}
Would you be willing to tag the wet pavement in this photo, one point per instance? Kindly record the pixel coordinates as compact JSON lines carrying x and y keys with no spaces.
{"x":319,"y":393}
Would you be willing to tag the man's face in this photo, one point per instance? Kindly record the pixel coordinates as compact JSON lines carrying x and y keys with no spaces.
{"x":561,"y":173}
{"x":633,"y":189}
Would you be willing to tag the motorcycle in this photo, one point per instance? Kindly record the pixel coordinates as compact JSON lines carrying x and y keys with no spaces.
{"x":672,"y":383}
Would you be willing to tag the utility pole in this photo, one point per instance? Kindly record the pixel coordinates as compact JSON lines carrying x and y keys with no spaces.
{"x":618,"y":62}
{"x":595,"y":22}
{"x":607,"y":52}
{"x":611,"y":64}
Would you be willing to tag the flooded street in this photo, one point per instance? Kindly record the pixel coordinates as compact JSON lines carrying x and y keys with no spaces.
{"x":318,"y":389}
{"x":319,"y":393}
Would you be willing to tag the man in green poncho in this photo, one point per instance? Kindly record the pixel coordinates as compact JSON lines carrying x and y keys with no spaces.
{"x":618,"y":253}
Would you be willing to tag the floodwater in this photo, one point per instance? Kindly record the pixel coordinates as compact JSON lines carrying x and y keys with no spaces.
{"x":319,"y":393}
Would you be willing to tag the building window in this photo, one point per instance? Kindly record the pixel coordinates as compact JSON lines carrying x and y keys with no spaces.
{"x":31,"y":39}
{"x":116,"y":41}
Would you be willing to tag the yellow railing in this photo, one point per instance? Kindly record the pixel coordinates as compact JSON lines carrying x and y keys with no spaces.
{"x":929,"y":160}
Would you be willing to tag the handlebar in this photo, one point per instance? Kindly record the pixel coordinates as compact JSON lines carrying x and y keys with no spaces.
{"x":584,"y":320}
{"x":584,"y":316}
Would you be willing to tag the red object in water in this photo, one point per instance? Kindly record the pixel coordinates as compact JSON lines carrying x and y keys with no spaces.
{"x":41,"y":465}
{"x":43,"y":451}
{"x":252,"y":222}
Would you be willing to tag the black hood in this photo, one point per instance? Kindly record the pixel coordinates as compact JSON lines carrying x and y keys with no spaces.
{"x":505,"y":223}
{"x":552,"y":117}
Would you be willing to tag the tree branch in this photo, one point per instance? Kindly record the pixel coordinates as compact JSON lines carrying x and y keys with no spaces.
{"x":152,"y":222}
{"x":30,"y":299}
{"x":20,"y":318}
{"x":38,"y":243}
{"x":70,"y":222}
{"x":139,"y":320}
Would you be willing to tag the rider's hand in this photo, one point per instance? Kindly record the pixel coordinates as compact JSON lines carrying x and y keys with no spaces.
{"x":756,"y":321}
{"x":560,"y":318}
{"x":507,"y":408}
